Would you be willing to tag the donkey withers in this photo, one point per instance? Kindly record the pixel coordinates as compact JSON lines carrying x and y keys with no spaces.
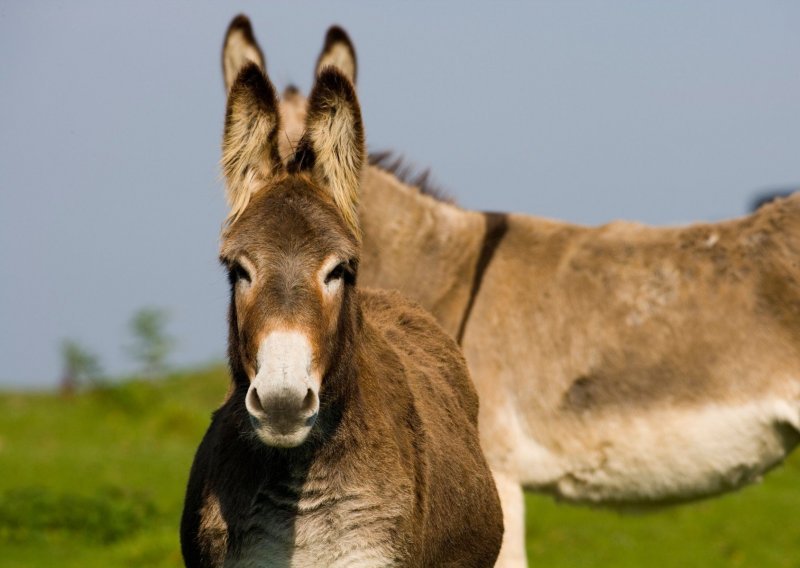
{"x":349,"y":434}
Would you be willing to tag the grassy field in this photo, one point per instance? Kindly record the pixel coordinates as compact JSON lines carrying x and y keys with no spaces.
{"x":98,"y":480}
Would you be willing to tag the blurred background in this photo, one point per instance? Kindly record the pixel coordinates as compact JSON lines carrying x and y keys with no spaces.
{"x":111,"y":204}
{"x":112,"y":114}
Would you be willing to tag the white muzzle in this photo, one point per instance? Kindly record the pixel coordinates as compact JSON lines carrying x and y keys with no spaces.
{"x":283,"y":399}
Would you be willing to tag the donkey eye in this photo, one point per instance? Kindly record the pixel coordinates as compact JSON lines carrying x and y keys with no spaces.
{"x":238,"y":273}
{"x":335,"y":274}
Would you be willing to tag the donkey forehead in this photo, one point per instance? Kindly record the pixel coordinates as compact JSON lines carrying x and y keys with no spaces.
{"x":293,"y":218}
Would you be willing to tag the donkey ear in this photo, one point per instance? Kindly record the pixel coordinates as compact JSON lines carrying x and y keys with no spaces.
{"x":239,"y":49}
{"x":250,"y":155}
{"x":332,"y":147}
{"x":338,"y":51}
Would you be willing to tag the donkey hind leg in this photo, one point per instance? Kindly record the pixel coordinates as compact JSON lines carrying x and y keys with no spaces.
{"x":512,"y":552}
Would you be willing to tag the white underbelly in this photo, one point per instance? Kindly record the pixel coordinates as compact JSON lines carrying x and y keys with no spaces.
{"x":662,"y":454}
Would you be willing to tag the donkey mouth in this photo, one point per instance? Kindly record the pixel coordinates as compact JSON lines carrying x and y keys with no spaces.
{"x":283,"y":431}
{"x":283,"y":425}
{"x":282,"y":416}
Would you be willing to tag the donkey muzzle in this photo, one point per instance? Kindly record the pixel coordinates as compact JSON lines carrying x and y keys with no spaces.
{"x":283,"y":398}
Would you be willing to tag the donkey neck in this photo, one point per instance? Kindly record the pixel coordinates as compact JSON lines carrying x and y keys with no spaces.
{"x":419,"y":245}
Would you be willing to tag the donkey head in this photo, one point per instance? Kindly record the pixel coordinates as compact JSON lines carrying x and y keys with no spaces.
{"x":291,"y":247}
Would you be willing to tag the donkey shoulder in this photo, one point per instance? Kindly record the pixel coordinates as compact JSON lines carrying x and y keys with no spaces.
{"x":431,"y":358}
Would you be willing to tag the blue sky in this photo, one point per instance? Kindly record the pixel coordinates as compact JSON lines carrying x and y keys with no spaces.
{"x":111,"y":114}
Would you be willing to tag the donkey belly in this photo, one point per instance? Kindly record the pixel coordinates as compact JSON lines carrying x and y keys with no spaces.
{"x":661,"y":455}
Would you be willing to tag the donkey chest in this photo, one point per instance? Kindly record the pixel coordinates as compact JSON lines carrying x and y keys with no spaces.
{"x":354,"y":530}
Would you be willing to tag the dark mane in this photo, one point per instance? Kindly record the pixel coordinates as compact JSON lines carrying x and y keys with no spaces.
{"x":768,"y":197}
{"x":397,"y":166}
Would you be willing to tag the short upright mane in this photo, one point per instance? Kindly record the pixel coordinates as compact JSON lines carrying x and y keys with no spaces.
{"x":398,"y":167}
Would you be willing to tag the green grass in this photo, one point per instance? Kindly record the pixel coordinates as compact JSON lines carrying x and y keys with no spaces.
{"x":756,"y":526}
{"x":98,"y":480}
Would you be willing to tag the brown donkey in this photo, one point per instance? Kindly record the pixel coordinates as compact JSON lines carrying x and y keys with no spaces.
{"x":349,"y":434}
{"x":621,"y":364}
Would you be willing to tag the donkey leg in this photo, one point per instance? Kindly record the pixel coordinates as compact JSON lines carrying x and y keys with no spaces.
{"x":512,"y":552}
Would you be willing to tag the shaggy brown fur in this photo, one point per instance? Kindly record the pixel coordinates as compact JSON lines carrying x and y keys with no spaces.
{"x":391,"y":473}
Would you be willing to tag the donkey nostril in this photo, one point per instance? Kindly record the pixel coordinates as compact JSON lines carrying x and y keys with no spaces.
{"x":308,"y":401}
{"x":254,"y":402}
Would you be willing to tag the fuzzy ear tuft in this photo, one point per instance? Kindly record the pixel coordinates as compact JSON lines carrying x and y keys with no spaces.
{"x":240,"y":48}
{"x":338,"y":51}
{"x":332,"y":147}
{"x":250,"y":156}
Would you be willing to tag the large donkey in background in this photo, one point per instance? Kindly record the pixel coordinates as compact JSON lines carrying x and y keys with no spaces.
{"x":621,"y":364}
{"x":349,"y":436}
